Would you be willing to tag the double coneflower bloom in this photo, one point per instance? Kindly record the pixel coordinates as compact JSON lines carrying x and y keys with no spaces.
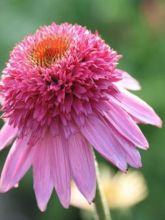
{"x":62,"y":95}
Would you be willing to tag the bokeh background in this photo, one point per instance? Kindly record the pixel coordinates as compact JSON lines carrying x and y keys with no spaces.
{"x":136,"y":29}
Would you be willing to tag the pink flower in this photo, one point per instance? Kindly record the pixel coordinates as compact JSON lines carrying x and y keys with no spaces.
{"x":62,"y":94}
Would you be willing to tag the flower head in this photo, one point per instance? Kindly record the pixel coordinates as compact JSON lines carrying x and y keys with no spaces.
{"x":61,"y":94}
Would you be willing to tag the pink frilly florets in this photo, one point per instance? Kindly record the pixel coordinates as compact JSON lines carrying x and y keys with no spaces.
{"x":38,"y":98}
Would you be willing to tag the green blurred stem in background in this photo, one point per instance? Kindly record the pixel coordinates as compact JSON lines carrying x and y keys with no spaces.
{"x":101,"y":207}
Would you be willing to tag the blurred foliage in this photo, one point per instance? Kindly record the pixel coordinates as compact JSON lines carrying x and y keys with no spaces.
{"x":136,"y":29}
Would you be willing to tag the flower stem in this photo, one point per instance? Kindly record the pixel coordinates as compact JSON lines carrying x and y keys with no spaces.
{"x":101,"y":207}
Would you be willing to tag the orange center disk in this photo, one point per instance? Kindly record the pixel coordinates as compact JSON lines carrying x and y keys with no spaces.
{"x":46,"y":52}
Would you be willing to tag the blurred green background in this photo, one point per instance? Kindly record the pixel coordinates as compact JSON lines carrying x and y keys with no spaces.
{"x":136,"y":29}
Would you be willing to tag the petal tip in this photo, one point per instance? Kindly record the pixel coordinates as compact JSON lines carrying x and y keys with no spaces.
{"x":42,"y":207}
{"x":65,"y":204}
{"x":4,"y":189}
{"x":156,"y":120}
{"x":90,"y":198}
{"x":159,"y":122}
{"x":138,"y":165}
{"x":144,"y":144}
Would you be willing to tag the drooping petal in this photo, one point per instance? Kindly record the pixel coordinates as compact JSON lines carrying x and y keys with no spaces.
{"x":60,"y":169}
{"x":99,"y":136}
{"x":128,"y":82}
{"x":7,"y":133}
{"x":43,"y":184}
{"x":125,"y":125}
{"x":139,"y":109}
{"x":17,"y":163}
{"x":131,"y":154}
{"x":82,"y":165}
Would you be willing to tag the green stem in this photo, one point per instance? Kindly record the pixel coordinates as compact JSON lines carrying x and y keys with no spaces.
{"x":101,"y":206}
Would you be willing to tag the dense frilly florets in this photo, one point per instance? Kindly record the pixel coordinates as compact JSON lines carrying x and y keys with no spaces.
{"x":35,"y":97}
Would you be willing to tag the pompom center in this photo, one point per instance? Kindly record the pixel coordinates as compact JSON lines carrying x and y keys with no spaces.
{"x":49,"y":50}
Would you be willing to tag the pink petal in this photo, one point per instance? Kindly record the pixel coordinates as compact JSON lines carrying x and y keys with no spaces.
{"x":128,"y":82}
{"x":98,"y":135}
{"x":7,"y":133}
{"x":139,"y":109}
{"x":17,"y":163}
{"x":61,"y":170}
{"x":82,"y":166}
{"x":131,"y":154}
{"x":43,"y":185}
{"x":125,"y":125}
